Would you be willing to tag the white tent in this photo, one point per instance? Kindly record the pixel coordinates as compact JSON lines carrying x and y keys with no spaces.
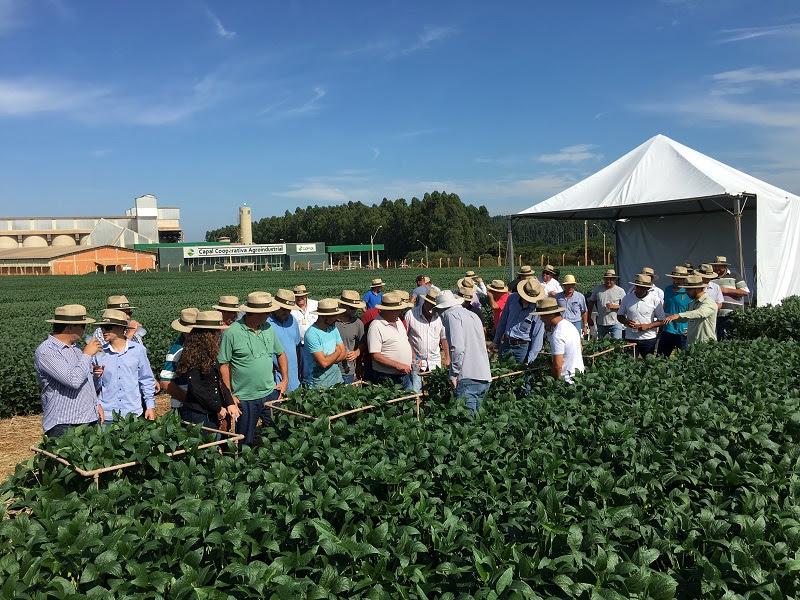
{"x":674,"y":204}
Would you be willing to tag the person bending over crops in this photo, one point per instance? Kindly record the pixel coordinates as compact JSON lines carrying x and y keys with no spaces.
{"x":207,"y":401}
{"x":324,"y":348}
{"x":388,"y":345}
{"x":470,"y":373}
{"x":122,"y":373}
{"x":565,"y":341}
{"x":245,"y":362}
{"x":520,"y":333}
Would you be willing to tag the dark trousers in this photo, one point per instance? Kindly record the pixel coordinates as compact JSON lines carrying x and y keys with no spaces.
{"x":201,"y":418}
{"x":252,"y":410}
{"x":722,"y":327}
{"x":645,"y":347}
{"x":381,"y":378}
{"x":669,"y":342}
{"x":59,"y":430}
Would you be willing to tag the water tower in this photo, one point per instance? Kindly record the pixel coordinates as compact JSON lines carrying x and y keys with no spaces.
{"x":245,"y":225}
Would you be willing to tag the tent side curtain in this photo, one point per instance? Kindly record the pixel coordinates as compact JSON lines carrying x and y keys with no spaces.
{"x":778,"y":243}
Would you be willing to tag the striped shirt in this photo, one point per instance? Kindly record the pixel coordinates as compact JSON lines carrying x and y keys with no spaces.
{"x":169,"y":372}
{"x":65,"y":379}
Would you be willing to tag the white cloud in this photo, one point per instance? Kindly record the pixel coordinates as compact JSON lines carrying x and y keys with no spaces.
{"x":376,"y":152}
{"x":717,"y":109}
{"x":428,"y":37}
{"x":571,"y":154}
{"x":280,"y":111}
{"x":22,"y":97}
{"x":219,"y":28}
{"x":414,"y":133}
{"x":727,"y":36}
{"x":758,"y":75}
{"x":100,"y":153}
{"x":389,"y":49}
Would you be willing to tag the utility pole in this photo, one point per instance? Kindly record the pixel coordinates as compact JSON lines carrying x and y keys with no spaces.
{"x":427,"y":262}
{"x":499,"y":260}
{"x":586,"y":243}
{"x":372,"y":246}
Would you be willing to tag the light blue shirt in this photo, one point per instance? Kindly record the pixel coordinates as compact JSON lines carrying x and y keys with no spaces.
{"x":325,"y":341}
{"x":468,"y":356}
{"x":127,"y":379}
{"x":574,"y":306}
{"x":288,"y":333}
{"x":517,"y":322}
{"x":372,"y":299}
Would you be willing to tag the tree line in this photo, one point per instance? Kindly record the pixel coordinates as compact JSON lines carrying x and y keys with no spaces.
{"x":439,"y":220}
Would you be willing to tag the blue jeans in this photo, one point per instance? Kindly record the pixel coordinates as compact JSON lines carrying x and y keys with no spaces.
{"x":200,"y":418}
{"x":348,"y":378}
{"x":614,"y":331}
{"x":578,"y":326}
{"x":473,"y":391}
{"x":518,"y":351}
{"x":252,"y":410}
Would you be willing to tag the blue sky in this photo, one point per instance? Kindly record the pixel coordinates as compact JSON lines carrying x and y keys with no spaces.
{"x":283,"y":104}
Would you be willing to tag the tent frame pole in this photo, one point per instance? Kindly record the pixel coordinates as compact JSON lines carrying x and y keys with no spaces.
{"x":510,"y":249}
{"x":737,"y":218}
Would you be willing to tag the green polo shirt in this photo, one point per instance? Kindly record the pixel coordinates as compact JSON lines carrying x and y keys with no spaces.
{"x":249,"y":354}
{"x":702,"y":319}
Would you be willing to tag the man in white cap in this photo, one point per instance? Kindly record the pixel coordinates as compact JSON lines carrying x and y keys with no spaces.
{"x":470,"y":372}
{"x":323,"y":347}
{"x":245,"y":358}
{"x":172,"y":383}
{"x":673,"y":334}
{"x":351,"y":328}
{"x":565,"y":341}
{"x":520,"y":333}
{"x":606,"y":298}
{"x":374,"y":295}
{"x":574,"y":304}
{"x":285,"y":326}
{"x":549,"y":281}
{"x":427,"y":338}
{"x":64,"y":372}
{"x":388,"y":345}
{"x":734,"y":290}
{"x":701,"y":315}
{"x":641,"y":312}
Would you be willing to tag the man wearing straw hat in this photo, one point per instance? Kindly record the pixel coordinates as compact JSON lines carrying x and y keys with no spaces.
{"x":468,"y":292}
{"x":123,"y":377}
{"x":172,"y":383}
{"x":734,"y":290}
{"x":549,"y":281}
{"x":245,"y":358}
{"x":351,"y":328}
{"x":701,"y":315}
{"x":641,"y":312}
{"x":606,"y":298}
{"x":374,"y":295}
{"x":285,"y":326}
{"x":498,"y":296}
{"x":64,"y":372}
{"x":470,"y":372}
{"x":423,"y":285}
{"x":713,"y":290}
{"x":574,"y":305}
{"x":388,"y":345}
{"x":136,"y":331}
{"x":565,"y":341}
{"x":427,"y":338}
{"x":520,"y":333}
{"x":229,"y":307}
{"x":306,"y":310}
{"x":673,"y":334}
{"x":480,"y":286}
{"x":324,"y":348}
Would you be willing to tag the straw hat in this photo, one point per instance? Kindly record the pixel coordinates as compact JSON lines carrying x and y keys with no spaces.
{"x":404,"y":296}
{"x":352,"y":299}
{"x":610,"y":274}
{"x":392,"y":301}
{"x":70,"y":314}
{"x":465,"y":293}
{"x":547,"y":306}
{"x":720,"y":260}
{"x":112,"y":316}
{"x":227,"y":304}
{"x":469,"y":273}
{"x":377,"y":282}
{"x":119,"y":302}
{"x":497,"y":285}
{"x":525,"y":271}
{"x":531,"y":290}
{"x":549,"y":269}
{"x":285,"y":299}
{"x":300,"y":290}
{"x":328,"y":307}
{"x":447,"y":299}
{"x":679,"y":271}
{"x":642,"y":280}
{"x":208,"y":319}
{"x":706,"y":272}
{"x":432,"y":294}
{"x":689,"y":266}
{"x":569,"y":280}
{"x":185,"y":322}
{"x":465,"y":282}
{"x":259,"y":302}
{"x":694,"y":282}
{"x":649,"y":271}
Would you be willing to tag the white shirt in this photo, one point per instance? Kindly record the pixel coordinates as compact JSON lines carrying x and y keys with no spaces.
{"x":391,"y":340}
{"x":552,"y":286}
{"x":425,"y":336}
{"x":306,"y":317}
{"x":653,"y":290}
{"x":641,"y":310}
{"x":565,"y":340}
{"x":714,"y":292}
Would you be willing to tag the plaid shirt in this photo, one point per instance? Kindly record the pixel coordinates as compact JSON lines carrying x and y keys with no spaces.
{"x":65,"y":378}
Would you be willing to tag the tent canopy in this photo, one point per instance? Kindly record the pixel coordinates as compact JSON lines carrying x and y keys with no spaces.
{"x":678,"y":204}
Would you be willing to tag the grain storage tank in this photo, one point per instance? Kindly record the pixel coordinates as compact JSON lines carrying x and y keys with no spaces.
{"x":245,"y":225}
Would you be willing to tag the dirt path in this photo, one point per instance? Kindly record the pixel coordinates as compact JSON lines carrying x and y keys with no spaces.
{"x":18,"y":434}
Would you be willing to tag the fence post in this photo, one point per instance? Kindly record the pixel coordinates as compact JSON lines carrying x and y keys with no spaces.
{"x":448,"y":262}
{"x":563,"y":258}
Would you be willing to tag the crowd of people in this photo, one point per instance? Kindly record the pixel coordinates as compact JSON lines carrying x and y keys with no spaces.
{"x":228,"y":361}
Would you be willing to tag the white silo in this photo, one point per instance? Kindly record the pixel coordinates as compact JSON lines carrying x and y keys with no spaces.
{"x":245,"y":225}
